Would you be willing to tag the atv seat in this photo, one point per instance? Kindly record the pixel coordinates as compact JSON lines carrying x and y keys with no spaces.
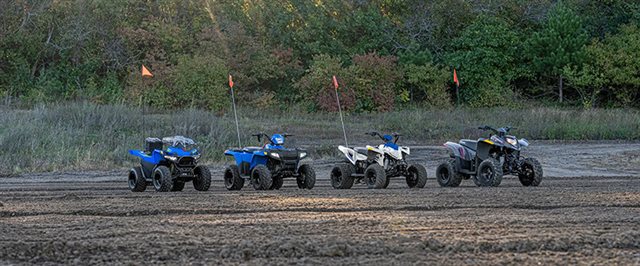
{"x":471,"y":144}
{"x":361,"y":150}
{"x":152,"y":144}
{"x":251,"y":149}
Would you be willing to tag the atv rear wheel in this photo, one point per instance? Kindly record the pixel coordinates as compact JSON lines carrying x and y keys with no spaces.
{"x":307,"y":177}
{"x":375,"y":176}
{"x":447,"y":175}
{"x":232,"y":178}
{"x":341,"y":176}
{"x":277,"y":183}
{"x":202,"y":181}
{"x":531,"y":173}
{"x":137,"y":182}
{"x":162,"y":179}
{"x":178,"y":185}
{"x":261,"y":178}
{"x":489,"y":173}
{"x":416,"y":176}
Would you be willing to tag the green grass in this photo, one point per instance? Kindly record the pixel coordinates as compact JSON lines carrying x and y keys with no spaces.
{"x":79,"y":136}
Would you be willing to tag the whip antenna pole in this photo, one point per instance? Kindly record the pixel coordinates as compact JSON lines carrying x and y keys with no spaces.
{"x":344,"y":132}
{"x":144,"y":73}
{"x":235,"y":113}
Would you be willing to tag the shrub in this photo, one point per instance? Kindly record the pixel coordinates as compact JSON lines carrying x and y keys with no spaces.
{"x":430,"y":83}
{"x":316,"y":87}
{"x":374,"y":80}
{"x":200,"y":82}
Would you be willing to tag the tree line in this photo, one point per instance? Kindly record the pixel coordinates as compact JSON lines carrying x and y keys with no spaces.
{"x":385,"y":53}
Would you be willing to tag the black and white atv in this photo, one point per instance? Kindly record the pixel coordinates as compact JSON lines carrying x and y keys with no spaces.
{"x":487,"y":160}
{"x":376,"y":165}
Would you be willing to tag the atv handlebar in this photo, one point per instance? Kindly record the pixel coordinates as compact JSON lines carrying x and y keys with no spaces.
{"x":498,"y":131}
{"x":396,"y":136}
{"x":262,"y":134}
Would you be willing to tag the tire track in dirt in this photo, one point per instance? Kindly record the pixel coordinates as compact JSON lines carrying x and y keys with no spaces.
{"x":180,"y":212}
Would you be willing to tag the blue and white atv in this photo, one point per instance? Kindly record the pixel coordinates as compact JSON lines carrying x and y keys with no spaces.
{"x":376,"y":165}
{"x":168,"y":169}
{"x":267,"y":166}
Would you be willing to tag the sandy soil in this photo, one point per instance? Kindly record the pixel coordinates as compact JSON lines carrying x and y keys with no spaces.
{"x":91,"y":217}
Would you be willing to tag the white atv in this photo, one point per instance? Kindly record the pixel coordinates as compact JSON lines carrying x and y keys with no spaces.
{"x":376,"y":166}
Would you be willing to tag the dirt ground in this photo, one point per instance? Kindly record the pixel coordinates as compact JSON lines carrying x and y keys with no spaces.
{"x":586,"y":211}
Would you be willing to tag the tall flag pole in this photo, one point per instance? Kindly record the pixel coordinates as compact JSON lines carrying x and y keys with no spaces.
{"x":235,"y":113}
{"x":457,"y":82}
{"x":336,"y":86}
{"x":144,"y":73}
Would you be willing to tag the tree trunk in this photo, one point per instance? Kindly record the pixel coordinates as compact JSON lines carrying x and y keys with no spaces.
{"x":560,"y":88}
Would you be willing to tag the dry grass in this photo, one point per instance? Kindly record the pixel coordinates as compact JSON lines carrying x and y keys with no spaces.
{"x":85,"y":136}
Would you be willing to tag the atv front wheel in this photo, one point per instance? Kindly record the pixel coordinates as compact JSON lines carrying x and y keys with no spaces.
{"x":261,"y":178}
{"x":341,"y":176}
{"x":386,"y":183}
{"x":202,"y":181}
{"x":447,"y":175}
{"x":307,"y":177}
{"x":232,"y":178}
{"x":489,"y":173}
{"x":162,"y":180}
{"x":375,"y":176}
{"x":416,"y":176}
{"x":531,"y":173}
{"x":277,"y":183}
{"x":137,"y":182}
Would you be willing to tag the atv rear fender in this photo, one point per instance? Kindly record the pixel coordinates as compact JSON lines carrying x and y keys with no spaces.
{"x":376,"y":154}
{"x":459,"y":151}
{"x":154,"y":158}
{"x":351,"y":155}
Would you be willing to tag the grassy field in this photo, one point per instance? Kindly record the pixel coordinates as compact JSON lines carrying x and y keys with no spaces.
{"x":80,"y":136}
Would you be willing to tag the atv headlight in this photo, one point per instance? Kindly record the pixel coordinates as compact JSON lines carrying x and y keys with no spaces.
{"x":303,"y":154}
{"x":274,"y":155}
{"x":171,"y":158}
{"x":513,"y":142}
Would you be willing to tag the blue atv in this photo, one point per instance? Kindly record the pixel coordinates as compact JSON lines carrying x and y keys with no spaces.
{"x":168,"y":169}
{"x":267,"y":166}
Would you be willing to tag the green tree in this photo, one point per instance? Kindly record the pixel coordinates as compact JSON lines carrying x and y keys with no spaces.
{"x":485,"y":57}
{"x":612,"y":70}
{"x":559,"y":44}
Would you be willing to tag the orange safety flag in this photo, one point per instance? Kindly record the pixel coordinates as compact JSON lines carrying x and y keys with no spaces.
{"x":146,"y":72}
{"x":230,"y":81}
{"x":455,"y":78}
{"x":335,"y":82}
